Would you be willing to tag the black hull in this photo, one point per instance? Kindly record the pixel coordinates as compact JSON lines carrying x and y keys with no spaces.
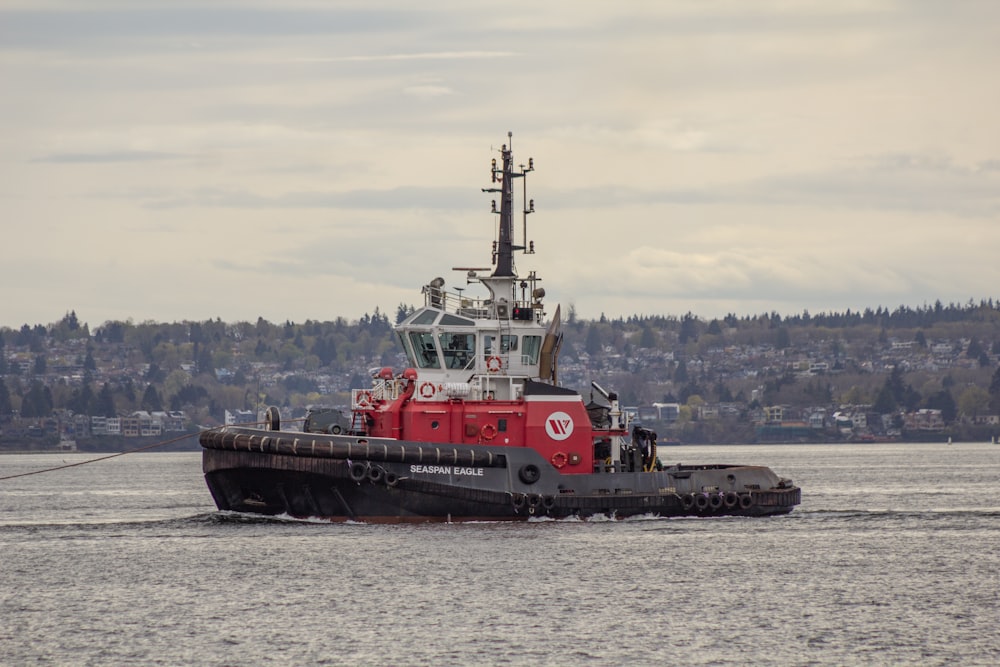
{"x":342,"y":478}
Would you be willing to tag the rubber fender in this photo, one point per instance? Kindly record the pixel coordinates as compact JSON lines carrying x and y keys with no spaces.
{"x":272,"y":419}
{"x":359,"y":471}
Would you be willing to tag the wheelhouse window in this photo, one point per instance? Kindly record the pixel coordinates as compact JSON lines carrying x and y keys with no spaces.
{"x":407,"y":350}
{"x":425,"y":317}
{"x":530,"y":347}
{"x":424,"y":350}
{"x":454,"y":320}
{"x":459,"y":349}
{"x":508,"y":343}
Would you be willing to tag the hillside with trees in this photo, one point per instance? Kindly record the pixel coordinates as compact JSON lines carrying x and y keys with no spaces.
{"x":724,"y":375}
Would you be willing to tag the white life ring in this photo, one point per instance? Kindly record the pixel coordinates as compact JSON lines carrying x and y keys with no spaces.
{"x":364,"y":400}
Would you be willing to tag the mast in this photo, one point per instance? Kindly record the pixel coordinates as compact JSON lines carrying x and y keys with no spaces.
{"x":505,"y":241}
{"x":505,"y":175}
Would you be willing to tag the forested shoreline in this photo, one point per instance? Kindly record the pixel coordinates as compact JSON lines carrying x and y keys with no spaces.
{"x":722,"y":373}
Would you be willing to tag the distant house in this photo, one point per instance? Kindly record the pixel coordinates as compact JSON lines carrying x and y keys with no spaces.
{"x":647,"y":413}
{"x":130,"y":426}
{"x":774,"y":414}
{"x":924,"y":420}
{"x":148,"y":424}
{"x":240,"y":417}
{"x":986,"y":420}
{"x":172,"y":421}
{"x":817,"y":418}
{"x":99,"y":425}
{"x":667,"y":412}
{"x":819,"y":368}
{"x":81,"y":425}
{"x":708,"y":411}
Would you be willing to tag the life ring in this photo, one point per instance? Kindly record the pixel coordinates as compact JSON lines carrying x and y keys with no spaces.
{"x":494,"y":364}
{"x":427,"y":389}
{"x":488,"y":431}
{"x":559,"y":459}
{"x":364,"y":399}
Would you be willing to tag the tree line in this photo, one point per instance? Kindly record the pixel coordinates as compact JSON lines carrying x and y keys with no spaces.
{"x":208,"y":366}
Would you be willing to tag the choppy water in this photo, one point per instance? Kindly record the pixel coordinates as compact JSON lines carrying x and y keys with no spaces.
{"x":892,"y":558}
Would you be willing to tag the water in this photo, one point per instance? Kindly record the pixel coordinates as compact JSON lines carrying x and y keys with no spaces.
{"x":892,"y":558}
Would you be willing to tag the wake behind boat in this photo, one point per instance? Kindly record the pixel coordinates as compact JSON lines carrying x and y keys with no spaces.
{"x":477,"y":427}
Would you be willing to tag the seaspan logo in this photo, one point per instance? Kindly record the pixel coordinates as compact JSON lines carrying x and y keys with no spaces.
{"x":559,"y":426}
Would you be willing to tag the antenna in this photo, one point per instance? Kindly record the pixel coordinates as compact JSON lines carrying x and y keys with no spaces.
{"x":529,"y":206}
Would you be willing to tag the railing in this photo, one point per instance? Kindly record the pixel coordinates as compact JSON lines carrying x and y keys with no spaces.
{"x":387,"y":390}
{"x":455,"y":303}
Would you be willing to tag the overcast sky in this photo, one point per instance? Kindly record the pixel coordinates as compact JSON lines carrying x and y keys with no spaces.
{"x":168,"y":160}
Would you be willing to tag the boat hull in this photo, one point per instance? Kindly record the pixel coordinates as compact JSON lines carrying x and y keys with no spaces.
{"x":341,"y":478}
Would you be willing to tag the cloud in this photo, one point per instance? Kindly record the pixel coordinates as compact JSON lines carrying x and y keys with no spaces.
{"x":395,"y":57}
{"x":427,"y":91}
{"x":726,"y":157}
{"x":47,"y":28}
{"x":424,"y":198}
{"x":913,"y":183}
{"x":114,"y":156}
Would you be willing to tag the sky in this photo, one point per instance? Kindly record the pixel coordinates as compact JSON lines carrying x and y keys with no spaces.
{"x":166,"y":160}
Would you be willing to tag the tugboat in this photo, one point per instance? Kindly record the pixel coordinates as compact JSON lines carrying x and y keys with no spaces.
{"x":477,"y":427}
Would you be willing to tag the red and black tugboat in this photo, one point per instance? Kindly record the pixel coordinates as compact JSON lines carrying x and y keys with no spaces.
{"x":477,"y":427}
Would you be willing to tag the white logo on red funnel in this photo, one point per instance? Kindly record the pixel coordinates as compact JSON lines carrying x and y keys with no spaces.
{"x":559,"y":426}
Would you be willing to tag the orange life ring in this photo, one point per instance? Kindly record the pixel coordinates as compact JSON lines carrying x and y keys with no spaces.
{"x":488,"y":431}
{"x":427,"y":389}
{"x":559,"y":459}
{"x":494,"y":364}
{"x":364,"y":399}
